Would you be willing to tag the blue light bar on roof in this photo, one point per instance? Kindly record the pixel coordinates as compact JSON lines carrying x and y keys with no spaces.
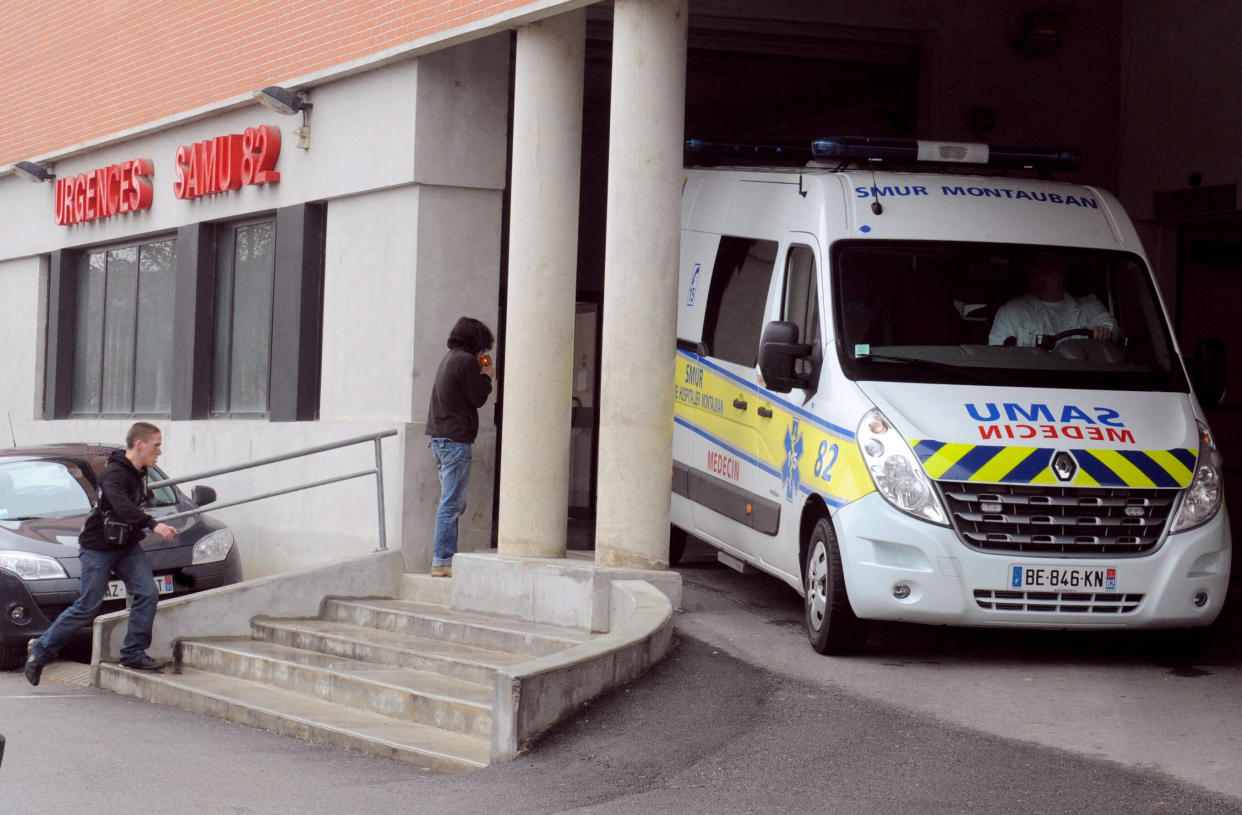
{"x":748,"y":151}
{"x":856,"y":148}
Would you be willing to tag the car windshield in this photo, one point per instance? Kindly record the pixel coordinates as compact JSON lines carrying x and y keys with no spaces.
{"x":42,"y":489}
{"x":1032,"y":316}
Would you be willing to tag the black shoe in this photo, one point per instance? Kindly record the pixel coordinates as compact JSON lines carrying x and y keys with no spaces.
{"x":142,"y":662}
{"x":33,"y":670}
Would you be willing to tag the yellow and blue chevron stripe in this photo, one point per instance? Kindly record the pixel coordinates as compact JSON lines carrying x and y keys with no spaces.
{"x":945,"y":461}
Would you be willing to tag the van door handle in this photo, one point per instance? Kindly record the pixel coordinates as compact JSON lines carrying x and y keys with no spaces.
{"x":765,"y":412}
{"x":740,"y":404}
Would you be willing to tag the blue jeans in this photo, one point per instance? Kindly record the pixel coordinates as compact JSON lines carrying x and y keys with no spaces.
{"x":132,"y":567}
{"x":453,"y":461}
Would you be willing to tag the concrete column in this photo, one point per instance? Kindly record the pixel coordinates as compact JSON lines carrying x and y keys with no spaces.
{"x":640,"y":282}
{"x":443,"y":234}
{"x":543,"y":260}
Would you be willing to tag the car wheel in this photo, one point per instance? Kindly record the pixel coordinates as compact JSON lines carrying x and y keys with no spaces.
{"x":676,"y":544}
{"x":830,"y":622}
{"x":12,"y":656}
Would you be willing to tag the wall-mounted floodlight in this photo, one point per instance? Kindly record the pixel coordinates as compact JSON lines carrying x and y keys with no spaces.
{"x":287,"y":102}
{"x":282,"y":100}
{"x":33,"y":172}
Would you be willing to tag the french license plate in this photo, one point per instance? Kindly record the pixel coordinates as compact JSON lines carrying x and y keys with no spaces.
{"x":1057,"y":578}
{"x":116,"y":588}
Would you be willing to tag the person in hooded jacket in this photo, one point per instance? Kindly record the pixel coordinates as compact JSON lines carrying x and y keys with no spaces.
{"x":111,"y":543}
{"x":463,"y":383}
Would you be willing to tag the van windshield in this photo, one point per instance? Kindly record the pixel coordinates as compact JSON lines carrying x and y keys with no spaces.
{"x":1032,"y":316}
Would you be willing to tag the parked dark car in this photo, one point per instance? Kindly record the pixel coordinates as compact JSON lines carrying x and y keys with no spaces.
{"x":45,"y":495}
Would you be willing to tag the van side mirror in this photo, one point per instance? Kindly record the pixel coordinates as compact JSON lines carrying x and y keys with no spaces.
{"x":779,"y":351}
{"x":203,"y":495}
{"x":1207,"y":372}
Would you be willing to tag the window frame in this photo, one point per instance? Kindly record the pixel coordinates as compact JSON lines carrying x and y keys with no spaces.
{"x":232,"y":228}
{"x":804,"y":366}
{"x":297,"y":318}
{"x":729,"y":268}
{"x":78,"y":268}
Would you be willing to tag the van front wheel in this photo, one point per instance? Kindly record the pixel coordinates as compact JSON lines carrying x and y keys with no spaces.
{"x":830,"y":622}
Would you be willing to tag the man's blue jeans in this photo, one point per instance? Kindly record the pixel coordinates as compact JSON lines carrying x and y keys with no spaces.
{"x":132,"y":567}
{"x":453,"y":461}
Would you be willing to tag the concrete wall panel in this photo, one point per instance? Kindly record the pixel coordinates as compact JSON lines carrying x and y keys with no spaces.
{"x":370,"y":274}
{"x":21,"y":283}
{"x":352,"y":149}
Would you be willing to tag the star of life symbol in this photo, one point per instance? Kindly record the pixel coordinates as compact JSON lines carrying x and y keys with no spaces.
{"x":694,"y":279}
{"x":793,"y":452}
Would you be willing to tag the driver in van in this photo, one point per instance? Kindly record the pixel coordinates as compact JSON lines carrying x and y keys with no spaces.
{"x":1047,"y":309}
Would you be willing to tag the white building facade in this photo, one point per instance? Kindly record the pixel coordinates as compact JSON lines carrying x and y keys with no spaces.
{"x":441,"y":178}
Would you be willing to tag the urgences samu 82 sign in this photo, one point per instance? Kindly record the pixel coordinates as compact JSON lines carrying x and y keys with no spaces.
{"x":222,"y":164}
{"x":227,"y":162}
{"x":124,"y":187}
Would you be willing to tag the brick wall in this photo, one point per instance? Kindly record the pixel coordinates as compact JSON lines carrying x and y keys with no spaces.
{"x":76,"y":70}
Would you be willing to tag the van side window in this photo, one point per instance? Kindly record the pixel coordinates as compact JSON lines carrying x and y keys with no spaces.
{"x":801,"y":298}
{"x":733,"y":319}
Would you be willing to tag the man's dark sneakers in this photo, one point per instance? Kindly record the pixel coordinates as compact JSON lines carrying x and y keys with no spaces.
{"x":142,"y":662}
{"x":34,"y":668}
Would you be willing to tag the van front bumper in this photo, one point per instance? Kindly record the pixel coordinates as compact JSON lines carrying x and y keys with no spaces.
{"x":886,"y":553}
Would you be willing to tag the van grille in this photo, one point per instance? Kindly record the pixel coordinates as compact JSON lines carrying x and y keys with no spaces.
{"x":1058,"y":521}
{"x":1058,"y":602}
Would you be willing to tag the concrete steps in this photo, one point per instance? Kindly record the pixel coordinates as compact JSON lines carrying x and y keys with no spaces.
{"x":447,"y":675}
{"x":415,"y":696}
{"x":405,"y":679}
{"x":293,"y":714}
{"x":470,"y":664}
{"x":433,"y":621}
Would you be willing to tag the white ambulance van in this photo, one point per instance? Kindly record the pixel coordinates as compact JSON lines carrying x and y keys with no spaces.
{"x":941,"y":397}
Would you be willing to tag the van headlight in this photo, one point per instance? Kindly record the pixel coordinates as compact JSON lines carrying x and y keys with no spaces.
{"x":213,"y":547}
{"x":32,"y":567}
{"x":1201,"y":500}
{"x":896,"y":472}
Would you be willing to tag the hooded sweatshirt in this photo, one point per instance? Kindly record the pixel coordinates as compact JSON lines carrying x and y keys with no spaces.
{"x":122,"y":495}
{"x":461,"y":389}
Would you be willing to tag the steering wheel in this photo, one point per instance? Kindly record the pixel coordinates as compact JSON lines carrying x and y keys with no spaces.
{"x":1049,"y":341}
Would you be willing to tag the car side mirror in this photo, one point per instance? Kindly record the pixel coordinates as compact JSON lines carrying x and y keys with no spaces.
{"x":779,"y":351}
{"x":203,"y":495}
{"x":1207,"y":372}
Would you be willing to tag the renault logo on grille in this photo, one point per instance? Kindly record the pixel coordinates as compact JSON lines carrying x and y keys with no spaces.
{"x":1064,"y":466}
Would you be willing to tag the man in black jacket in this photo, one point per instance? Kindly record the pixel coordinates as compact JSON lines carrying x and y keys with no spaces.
{"x":463,"y":383}
{"x":111,"y":542}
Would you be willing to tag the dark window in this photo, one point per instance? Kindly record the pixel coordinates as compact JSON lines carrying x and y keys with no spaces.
{"x":161,"y":496}
{"x":247,"y":311}
{"x":928,"y":311}
{"x":122,"y":359}
{"x":733,"y":320}
{"x":242,"y":359}
{"x":801,"y":298}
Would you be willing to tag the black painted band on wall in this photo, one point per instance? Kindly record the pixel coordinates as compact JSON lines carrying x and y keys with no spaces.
{"x":297,"y":320}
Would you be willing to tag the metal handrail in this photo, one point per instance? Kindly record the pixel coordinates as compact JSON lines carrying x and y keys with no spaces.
{"x":377,"y":471}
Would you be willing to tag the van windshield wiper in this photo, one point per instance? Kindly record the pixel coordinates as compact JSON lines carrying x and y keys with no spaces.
{"x":963,"y":370}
